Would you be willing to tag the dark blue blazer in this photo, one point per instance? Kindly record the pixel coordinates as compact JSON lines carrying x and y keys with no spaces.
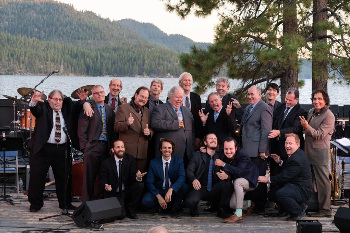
{"x":241,"y":166}
{"x":155,"y":175}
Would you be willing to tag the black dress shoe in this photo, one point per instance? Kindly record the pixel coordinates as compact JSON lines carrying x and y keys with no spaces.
{"x":69,"y":207}
{"x":132,"y":216}
{"x":34,"y":209}
{"x":194,"y":212}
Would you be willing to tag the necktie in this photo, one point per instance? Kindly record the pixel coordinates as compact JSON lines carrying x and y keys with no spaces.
{"x":244,"y":120}
{"x":216,"y":114}
{"x":187,"y":102}
{"x":113,"y":103}
{"x":103,"y":122}
{"x":166,"y":185}
{"x":156,"y":102}
{"x":285,"y":113}
{"x":210,"y":175}
{"x":57,"y":128}
{"x":120,"y":181}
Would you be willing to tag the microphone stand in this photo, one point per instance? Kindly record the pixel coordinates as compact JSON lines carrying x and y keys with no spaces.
{"x":66,"y":177}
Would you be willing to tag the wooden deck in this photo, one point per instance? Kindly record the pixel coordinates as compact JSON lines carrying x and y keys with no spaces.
{"x":17,"y":218}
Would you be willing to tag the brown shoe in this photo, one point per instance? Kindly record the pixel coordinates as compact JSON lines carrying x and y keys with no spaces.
{"x":233,"y":219}
{"x":249,"y":210}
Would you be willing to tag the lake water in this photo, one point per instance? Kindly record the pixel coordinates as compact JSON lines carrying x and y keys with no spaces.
{"x":9,"y":84}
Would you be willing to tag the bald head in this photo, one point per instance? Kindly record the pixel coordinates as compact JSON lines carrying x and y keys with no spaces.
{"x":158,"y":229}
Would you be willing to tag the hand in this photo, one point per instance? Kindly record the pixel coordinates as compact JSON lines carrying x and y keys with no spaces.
{"x":303,"y":122}
{"x":263,"y":156}
{"x":82,"y":94}
{"x":123,"y":100}
{"x":168,"y":195}
{"x":235,"y":103}
{"x":196,"y":184}
{"x":274,"y":133}
{"x":222,"y":175}
{"x":88,"y":109}
{"x":146,"y":131}
{"x":229,"y":108}
{"x":181,"y":124}
{"x":219,"y":162}
{"x":161,"y":201}
{"x":263,"y":179}
{"x":36,"y":96}
{"x":108,"y":187}
{"x":204,"y":117}
{"x":139,"y":175}
{"x":276,"y":158}
{"x":203,"y":149}
{"x":130,"y":120}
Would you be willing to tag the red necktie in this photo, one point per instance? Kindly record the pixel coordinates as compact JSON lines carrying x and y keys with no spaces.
{"x":113,"y":103}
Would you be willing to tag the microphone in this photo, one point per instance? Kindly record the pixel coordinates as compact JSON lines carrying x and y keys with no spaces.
{"x":66,"y":132}
{"x":55,"y":71}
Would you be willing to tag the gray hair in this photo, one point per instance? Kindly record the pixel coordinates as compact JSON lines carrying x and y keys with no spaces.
{"x":121,"y":84}
{"x":175,"y":89}
{"x":54,"y":92}
{"x":96,"y":86}
{"x":214,"y":93}
{"x":157,"y":80}
{"x":182,"y":75}
{"x":258,"y":90}
{"x":224,"y":80}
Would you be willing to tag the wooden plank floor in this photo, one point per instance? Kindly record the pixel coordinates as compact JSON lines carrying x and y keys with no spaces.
{"x":17,"y":218}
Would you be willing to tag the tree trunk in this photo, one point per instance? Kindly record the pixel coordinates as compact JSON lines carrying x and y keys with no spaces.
{"x":320,"y":49}
{"x":290,"y":61}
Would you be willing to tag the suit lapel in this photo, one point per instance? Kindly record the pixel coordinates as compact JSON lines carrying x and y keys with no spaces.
{"x":114,"y":166}
{"x":257,"y":106}
{"x":171,"y":111}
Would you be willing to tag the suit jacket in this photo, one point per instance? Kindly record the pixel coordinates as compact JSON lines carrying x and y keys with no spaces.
{"x":291,"y":124}
{"x":136,"y":143}
{"x":318,"y":136}
{"x":296,"y":170}
{"x":44,"y":121}
{"x":197,"y":165}
{"x":241,"y":166}
{"x":151,"y":106}
{"x":224,"y":126}
{"x":155,"y":175}
{"x":118,"y":100}
{"x":256,"y":129}
{"x":90,"y":128}
{"x":109,"y":173}
{"x":164,"y":122}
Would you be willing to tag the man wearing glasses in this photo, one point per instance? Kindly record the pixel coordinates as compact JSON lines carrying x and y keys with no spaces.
{"x":95,"y":137}
{"x":48,"y":146}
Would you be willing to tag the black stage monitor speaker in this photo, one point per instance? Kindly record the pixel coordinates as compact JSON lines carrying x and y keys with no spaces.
{"x":342,"y":219}
{"x":103,"y":210}
{"x":309,"y":226}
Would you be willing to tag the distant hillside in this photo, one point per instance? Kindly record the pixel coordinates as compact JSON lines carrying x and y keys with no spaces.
{"x":154,"y":35}
{"x":39,"y":35}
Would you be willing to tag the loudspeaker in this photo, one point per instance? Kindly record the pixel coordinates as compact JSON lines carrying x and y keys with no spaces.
{"x":342,"y":219}
{"x":312,"y":203}
{"x":103,"y":210}
{"x":309,"y":226}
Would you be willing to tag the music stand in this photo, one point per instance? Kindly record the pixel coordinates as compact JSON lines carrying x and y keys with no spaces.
{"x":8,"y":144}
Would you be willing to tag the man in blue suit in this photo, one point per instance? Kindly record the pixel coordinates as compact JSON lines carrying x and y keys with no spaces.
{"x":165,"y":180}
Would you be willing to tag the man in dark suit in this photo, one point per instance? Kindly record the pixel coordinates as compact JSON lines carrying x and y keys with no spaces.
{"x":113,"y":99}
{"x":96,"y":135}
{"x":118,"y":178}
{"x":219,"y":120}
{"x":272,"y":91}
{"x":255,"y":128}
{"x":204,"y":180}
{"x":286,"y":120}
{"x":293,"y":185}
{"x":49,"y":145}
{"x":174,"y":121}
{"x":166,"y":180}
{"x":193,"y":102}
{"x":132,"y":124}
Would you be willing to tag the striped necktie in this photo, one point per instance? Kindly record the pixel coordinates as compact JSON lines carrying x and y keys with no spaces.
{"x":103,"y":135}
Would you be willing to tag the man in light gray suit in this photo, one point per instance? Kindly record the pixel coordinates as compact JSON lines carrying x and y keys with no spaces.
{"x":256,"y":125}
{"x":172,"y":120}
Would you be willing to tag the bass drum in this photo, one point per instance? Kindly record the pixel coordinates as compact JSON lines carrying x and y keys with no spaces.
{"x":77,"y":179}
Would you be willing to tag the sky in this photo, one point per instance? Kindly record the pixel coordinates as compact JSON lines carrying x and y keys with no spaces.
{"x":151,"y":11}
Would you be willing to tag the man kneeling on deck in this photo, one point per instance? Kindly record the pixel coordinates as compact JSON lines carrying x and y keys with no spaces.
{"x":238,"y":167}
{"x":293,"y":185}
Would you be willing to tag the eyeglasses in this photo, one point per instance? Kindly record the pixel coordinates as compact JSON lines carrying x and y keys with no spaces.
{"x":57,"y":99}
{"x":99,"y":93}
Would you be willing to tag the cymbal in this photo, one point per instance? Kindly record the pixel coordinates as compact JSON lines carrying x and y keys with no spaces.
{"x":86,"y":88}
{"x":18,"y":101}
{"x":25,"y":90}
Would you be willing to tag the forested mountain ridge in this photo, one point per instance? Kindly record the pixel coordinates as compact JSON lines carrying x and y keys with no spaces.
{"x":40,"y":35}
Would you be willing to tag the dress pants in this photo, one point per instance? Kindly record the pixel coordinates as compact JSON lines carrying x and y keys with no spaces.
{"x":320,"y":175}
{"x":241,"y":186}
{"x":219,"y":195}
{"x":259,"y":195}
{"x":129,"y":198}
{"x":94,"y":153}
{"x":50,"y":155}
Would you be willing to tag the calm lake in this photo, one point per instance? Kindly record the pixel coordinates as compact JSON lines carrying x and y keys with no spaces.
{"x":9,"y":84}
